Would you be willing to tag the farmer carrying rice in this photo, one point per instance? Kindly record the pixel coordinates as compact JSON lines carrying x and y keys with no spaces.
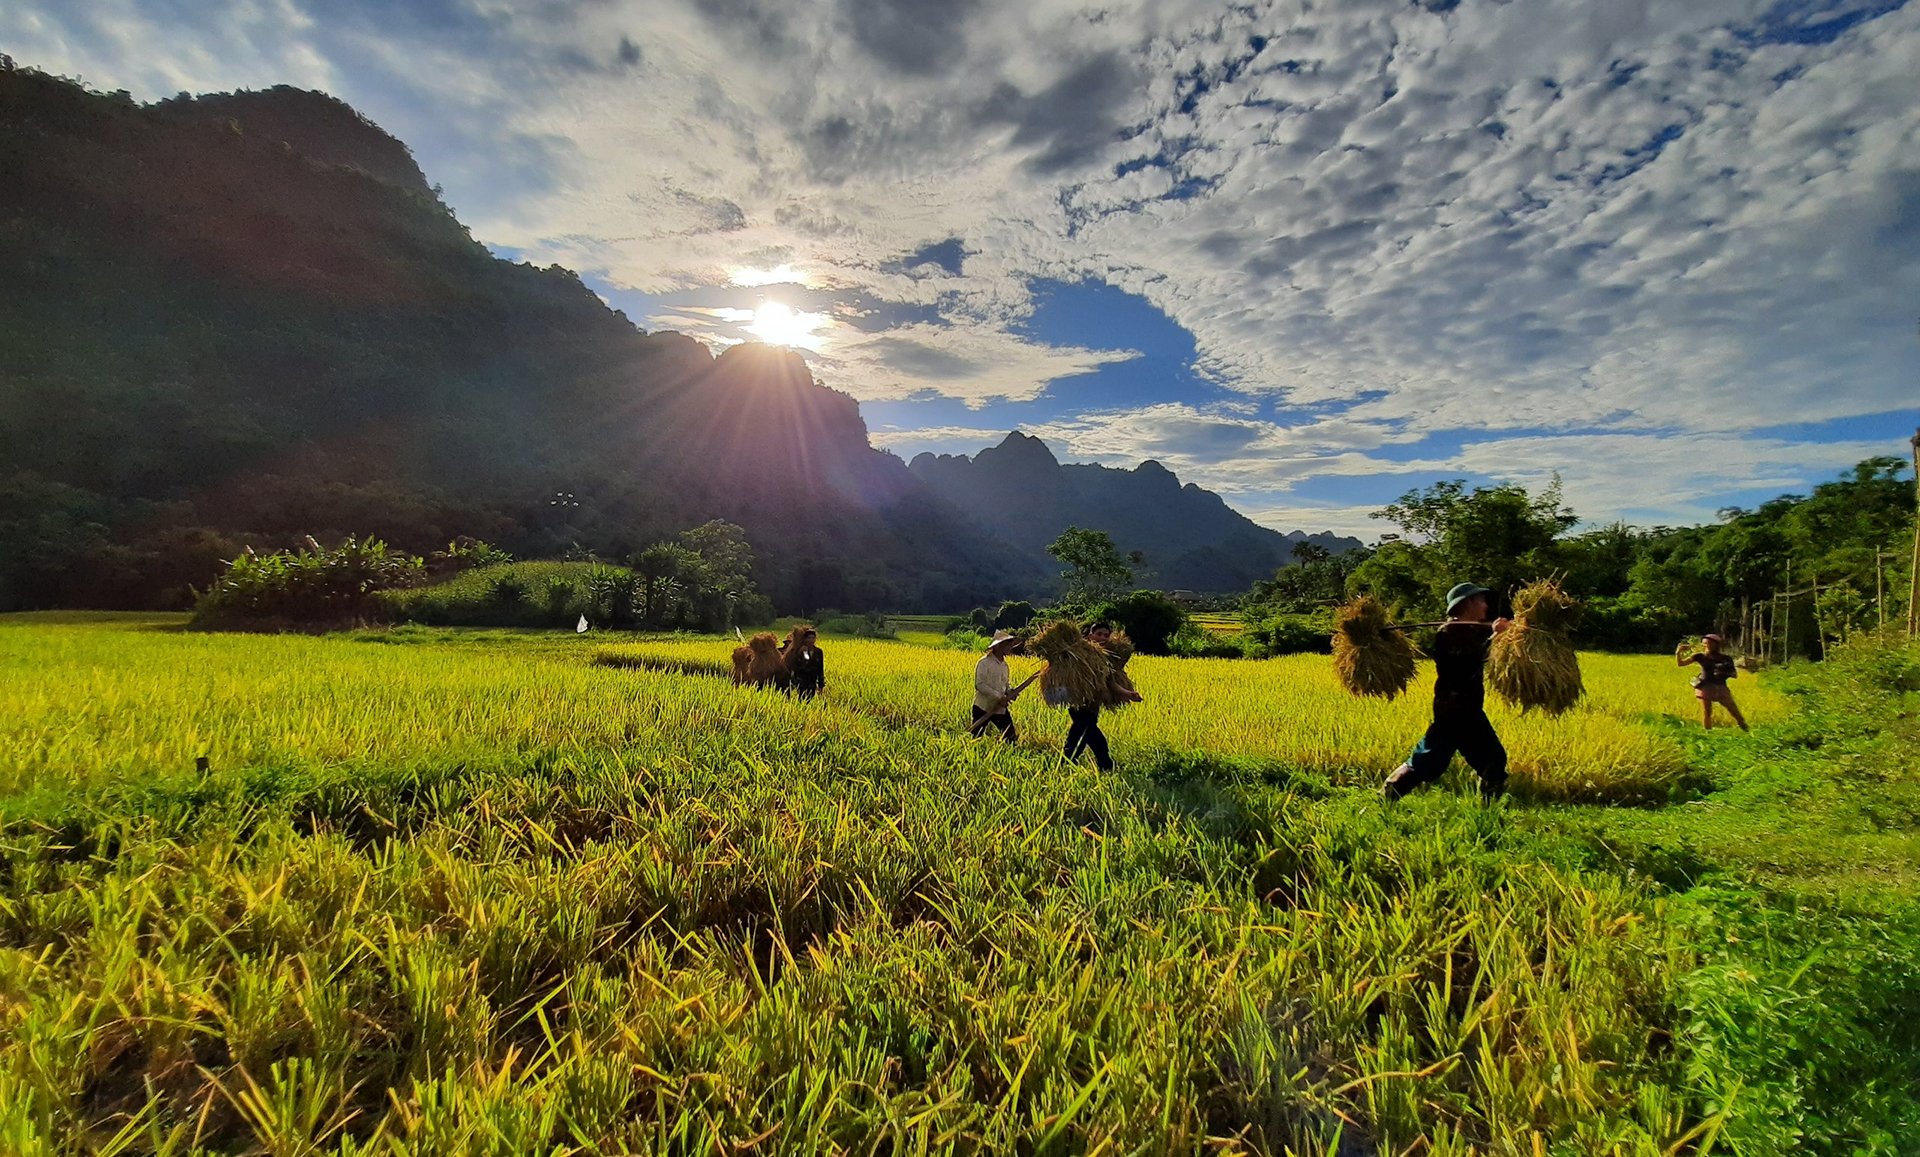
{"x":1083,"y":730}
{"x":806,"y":666}
{"x":992,"y":695}
{"x":1460,"y":720}
{"x":1710,"y":684}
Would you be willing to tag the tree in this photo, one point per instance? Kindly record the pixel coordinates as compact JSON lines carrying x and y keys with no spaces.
{"x":664,"y":570}
{"x":1095,"y":568}
{"x":1150,"y":618}
{"x":1499,"y":536}
{"x":722,"y":581}
{"x":1014,"y":616}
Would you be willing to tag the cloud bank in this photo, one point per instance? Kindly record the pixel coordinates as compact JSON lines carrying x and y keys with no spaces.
{"x":1624,"y":241}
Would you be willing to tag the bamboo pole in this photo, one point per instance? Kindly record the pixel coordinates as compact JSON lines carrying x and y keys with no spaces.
{"x":1786,"y":630}
{"x":1913,"y":578}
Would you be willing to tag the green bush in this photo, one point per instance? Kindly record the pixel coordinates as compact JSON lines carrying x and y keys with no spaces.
{"x":872,"y":625}
{"x":313,"y":585}
{"x":1014,"y":616}
{"x":477,"y":598}
{"x":1194,"y":642}
{"x":1150,"y":618}
{"x":1292,"y":634}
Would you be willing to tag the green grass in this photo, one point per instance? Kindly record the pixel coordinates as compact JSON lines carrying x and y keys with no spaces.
{"x":448,"y":891}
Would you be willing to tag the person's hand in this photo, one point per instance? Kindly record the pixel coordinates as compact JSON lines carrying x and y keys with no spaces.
{"x":1501,"y":625}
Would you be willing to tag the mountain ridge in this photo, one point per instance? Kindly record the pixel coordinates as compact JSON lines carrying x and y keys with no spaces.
{"x":1190,"y":537}
{"x":246,"y":317}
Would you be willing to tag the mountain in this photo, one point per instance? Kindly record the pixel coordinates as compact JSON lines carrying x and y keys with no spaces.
{"x":247,"y":317}
{"x":1189,"y":537}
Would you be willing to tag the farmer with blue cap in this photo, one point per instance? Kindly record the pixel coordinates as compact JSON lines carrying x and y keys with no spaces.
{"x":1460,"y":720}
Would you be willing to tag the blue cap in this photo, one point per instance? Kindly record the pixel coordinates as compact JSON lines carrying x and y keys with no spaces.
{"x":1462,"y":593}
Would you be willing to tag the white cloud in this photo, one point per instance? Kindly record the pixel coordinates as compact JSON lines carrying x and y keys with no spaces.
{"x":1647,"y":222}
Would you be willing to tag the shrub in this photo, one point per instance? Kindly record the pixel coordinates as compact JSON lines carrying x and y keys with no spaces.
{"x":312,"y":585}
{"x":872,"y":625}
{"x":1192,"y":642}
{"x":1288,"y":634}
{"x":561,"y":598}
{"x":1150,"y":618}
{"x":1014,"y":616}
{"x":465,"y":553}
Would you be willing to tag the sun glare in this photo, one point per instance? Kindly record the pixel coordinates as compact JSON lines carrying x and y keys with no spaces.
{"x":777,"y":323}
{"x":750,"y":277}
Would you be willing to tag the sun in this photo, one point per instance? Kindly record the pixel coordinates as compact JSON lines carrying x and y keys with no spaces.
{"x":778,"y":323}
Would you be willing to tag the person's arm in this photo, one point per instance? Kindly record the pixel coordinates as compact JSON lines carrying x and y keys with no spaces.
{"x":1682,"y":656}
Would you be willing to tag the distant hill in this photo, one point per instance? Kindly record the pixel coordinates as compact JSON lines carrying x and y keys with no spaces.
{"x":1190,"y":538}
{"x":247,"y":317}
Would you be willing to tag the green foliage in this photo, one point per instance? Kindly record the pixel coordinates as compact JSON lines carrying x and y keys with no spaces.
{"x":1499,"y":536}
{"x":1292,"y":634}
{"x":1095,"y":568}
{"x":1014,"y":616}
{"x":1195,"y":642}
{"x":1644,"y":587}
{"x":1150,"y":618}
{"x":872,"y":625}
{"x":465,"y":553}
{"x":313,"y":585}
{"x":1316,"y":581}
{"x":548,"y":594}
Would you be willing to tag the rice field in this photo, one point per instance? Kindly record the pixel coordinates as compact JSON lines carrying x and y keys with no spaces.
{"x":441,"y":892}
{"x":1287,"y":714}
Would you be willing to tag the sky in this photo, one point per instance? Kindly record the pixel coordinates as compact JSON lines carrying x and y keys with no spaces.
{"x":1307,"y":254}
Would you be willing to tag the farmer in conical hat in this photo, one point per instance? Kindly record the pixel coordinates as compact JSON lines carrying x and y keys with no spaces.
{"x":1460,"y":720}
{"x":991,"y":682}
{"x":1710,"y":685}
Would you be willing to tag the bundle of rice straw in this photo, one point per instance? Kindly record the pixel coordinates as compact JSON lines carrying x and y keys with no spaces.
{"x":1119,"y":690}
{"x":1532,"y":664}
{"x":1369,"y":656}
{"x":1077,"y":669}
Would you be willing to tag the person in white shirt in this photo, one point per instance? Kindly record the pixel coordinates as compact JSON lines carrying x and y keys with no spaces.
{"x":991,"y":686}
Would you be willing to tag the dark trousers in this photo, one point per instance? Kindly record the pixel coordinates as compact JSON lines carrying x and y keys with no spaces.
{"x":1084,"y":734}
{"x":1003,"y":720}
{"x":1470,"y":733}
{"x":808,"y":690}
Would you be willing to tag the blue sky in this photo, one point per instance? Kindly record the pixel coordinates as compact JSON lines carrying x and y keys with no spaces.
{"x":1308,"y":255}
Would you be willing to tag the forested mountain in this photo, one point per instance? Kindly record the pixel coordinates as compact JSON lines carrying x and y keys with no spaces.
{"x":1189,"y":537}
{"x":248,"y":317}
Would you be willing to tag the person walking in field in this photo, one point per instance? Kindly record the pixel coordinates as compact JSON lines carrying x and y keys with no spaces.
{"x":1083,"y":728}
{"x":806,"y":667}
{"x":992,"y":696}
{"x":1460,"y":722}
{"x":1710,"y":682}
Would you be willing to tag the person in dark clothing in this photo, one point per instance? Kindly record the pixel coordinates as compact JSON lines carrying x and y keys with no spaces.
{"x":1710,"y":685}
{"x":1083,"y":728}
{"x":806,"y":668}
{"x":1460,"y":722}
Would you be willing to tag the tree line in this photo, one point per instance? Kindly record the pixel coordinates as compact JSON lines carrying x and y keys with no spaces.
{"x":1787,"y":574}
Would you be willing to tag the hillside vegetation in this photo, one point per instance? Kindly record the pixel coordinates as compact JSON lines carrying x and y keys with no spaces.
{"x":245,"y":318}
{"x":477,"y":891}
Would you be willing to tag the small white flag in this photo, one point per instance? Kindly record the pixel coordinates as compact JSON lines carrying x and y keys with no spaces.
{"x":581,"y":628}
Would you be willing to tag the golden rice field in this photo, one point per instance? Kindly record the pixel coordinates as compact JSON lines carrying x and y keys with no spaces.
{"x":1287,"y":712}
{"x":504,"y":892}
